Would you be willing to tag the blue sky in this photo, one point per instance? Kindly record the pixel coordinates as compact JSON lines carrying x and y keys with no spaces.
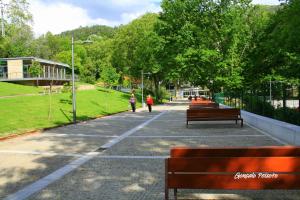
{"x":60,"y":15}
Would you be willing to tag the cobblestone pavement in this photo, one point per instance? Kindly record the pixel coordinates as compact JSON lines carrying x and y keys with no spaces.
{"x":132,"y":167}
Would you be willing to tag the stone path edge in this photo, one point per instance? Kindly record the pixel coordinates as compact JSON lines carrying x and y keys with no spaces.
{"x":42,"y":183}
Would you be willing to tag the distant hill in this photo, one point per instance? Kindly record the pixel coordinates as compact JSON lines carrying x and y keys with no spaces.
{"x":83,"y":33}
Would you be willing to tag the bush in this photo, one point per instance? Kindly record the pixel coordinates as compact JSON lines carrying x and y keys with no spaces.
{"x":258,"y":106}
{"x":288,"y":115}
{"x":67,"y":88}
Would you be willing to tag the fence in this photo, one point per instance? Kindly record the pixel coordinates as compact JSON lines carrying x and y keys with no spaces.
{"x":282,"y":102}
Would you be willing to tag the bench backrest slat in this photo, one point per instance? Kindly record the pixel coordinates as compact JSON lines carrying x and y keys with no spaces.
{"x":234,"y":164}
{"x":274,"y":151}
{"x":215,"y":110}
{"x":204,"y":105}
{"x":215,"y":181}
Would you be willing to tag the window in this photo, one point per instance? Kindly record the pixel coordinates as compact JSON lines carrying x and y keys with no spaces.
{"x":3,"y":69}
{"x":26,"y":65}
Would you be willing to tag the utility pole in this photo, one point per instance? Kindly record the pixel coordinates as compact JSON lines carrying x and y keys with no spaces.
{"x":270,"y":91}
{"x":73,"y":83}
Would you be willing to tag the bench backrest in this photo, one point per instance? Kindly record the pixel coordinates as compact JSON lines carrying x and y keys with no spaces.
{"x":204,"y":105}
{"x":213,"y":113}
{"x":201,"y":101}
{"x":264,"y":168}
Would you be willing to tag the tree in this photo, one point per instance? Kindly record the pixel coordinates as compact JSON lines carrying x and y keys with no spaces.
{"x":137,"y":48}
{"x":19,"y":34}
{"x":109,"y":75}
{"x":205,"y":41}
{"x":35,"y":70}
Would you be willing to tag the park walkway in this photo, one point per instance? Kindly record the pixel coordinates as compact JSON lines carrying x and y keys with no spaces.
{"x":118,"y":157}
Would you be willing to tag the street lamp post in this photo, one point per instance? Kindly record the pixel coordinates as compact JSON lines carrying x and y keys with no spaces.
{"x":73,"y":76}
{"x":73,"y":83}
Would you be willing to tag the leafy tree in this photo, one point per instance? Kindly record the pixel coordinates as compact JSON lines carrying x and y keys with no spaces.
{"x":205,"y":41}
{"x":109,"y":76}
{"x":137,"y":48}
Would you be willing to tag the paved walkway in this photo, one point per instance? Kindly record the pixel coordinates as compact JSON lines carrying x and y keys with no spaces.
{"x":71,"y":163}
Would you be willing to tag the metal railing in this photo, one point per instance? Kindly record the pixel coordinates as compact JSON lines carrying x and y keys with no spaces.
{"x":26,"y":76}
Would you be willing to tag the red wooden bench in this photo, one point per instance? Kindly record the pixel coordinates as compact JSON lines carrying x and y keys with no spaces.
{"x":248,"y":168}
{"x":213,"y":114}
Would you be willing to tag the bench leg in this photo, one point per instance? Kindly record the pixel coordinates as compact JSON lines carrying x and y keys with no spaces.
{"x":166,"y":180}
{"x":187,"y":124}
{"x":175,"y":193}
{"x":242,"y":123}
{"x":166,"y":194}
{"x":235,"y":121}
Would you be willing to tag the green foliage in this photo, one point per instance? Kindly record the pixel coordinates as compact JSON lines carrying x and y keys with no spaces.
{"x":35,"y":69}
{"x":256,"y":105}
{"x":288,"y":115}
{"x":90,"y":32}
{"x":109,"y":76}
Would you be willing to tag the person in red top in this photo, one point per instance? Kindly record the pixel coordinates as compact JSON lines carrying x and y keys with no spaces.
{"x":149,"y":102}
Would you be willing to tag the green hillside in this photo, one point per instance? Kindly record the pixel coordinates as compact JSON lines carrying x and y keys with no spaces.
{"x":10,"y":89}
{"x":83,"y":33}
{"x":26,"y":113}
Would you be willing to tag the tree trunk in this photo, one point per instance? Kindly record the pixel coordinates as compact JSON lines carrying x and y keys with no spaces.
{"x":299,"y":98}
{"x":156,"y":88}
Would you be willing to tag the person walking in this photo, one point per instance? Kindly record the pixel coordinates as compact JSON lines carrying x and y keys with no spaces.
{"x":149,"y":102}
{"x":132,"y":102}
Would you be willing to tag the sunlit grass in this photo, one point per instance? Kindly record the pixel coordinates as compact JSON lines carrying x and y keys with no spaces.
{"x":25,"y":113}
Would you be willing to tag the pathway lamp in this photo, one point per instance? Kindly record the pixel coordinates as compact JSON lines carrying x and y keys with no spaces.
{"x":73,"y":76}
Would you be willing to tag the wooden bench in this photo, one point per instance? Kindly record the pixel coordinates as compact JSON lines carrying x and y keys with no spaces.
{"x":204,"y":105}
{"x":237,"y":168}
{"x":213,"y":114}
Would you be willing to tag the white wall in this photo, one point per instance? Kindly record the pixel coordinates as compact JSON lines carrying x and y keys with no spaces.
{"x":288,"y":133}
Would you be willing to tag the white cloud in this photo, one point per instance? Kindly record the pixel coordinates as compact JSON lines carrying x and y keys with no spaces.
{"x":59,"y":17}
{"x":127,"y":17}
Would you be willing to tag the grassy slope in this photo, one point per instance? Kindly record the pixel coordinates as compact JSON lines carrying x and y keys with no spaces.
{"x":26,"y":113}
{"x":8,"y":89}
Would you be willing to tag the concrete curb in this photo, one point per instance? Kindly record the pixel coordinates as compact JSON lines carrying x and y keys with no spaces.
{"x":284,"y":131}
{"x":289,"y":133}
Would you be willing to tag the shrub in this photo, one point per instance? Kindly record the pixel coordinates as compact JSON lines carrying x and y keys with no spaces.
{"x":288,"y":115}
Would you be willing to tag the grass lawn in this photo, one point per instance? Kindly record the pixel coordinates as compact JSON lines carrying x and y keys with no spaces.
{"x":25,"y":113}
{"x":9,"y":89}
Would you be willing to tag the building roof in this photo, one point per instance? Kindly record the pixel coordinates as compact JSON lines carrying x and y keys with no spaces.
{"x":38,"y":60}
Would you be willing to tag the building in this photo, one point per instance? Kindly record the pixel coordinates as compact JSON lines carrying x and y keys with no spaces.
{"x":17,"y":70}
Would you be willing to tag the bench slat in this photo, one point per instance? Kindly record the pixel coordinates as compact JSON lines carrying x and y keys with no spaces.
{"x":234,"y":164}
{"x":270,"y":151}
{"x":215,"y":181}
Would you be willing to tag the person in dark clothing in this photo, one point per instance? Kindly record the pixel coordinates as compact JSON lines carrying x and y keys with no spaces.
{"x":195,"y":97}
{"x":132,"y":102}
{"x":190,"y":98}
